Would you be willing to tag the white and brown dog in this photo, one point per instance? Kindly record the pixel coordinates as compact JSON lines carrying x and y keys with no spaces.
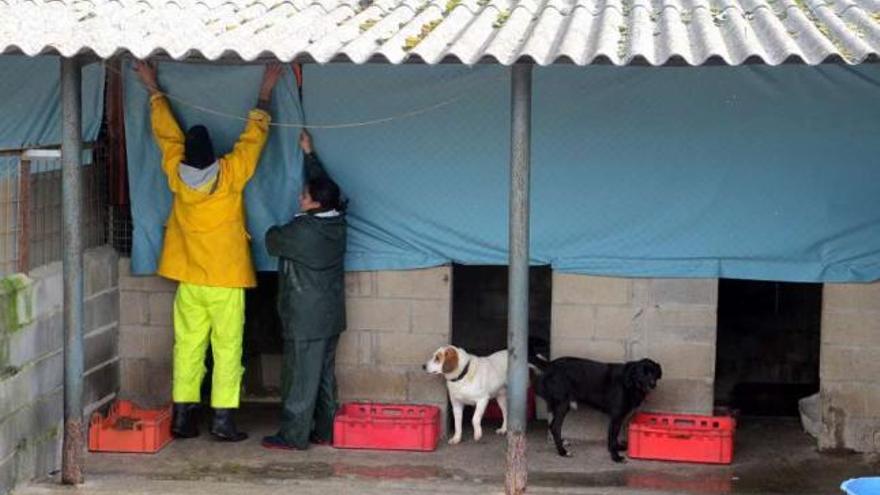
{"x":472,"y":380}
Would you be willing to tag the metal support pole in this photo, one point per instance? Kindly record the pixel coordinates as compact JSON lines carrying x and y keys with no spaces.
{"x":73,"y":450}
{"x":518,"y":286}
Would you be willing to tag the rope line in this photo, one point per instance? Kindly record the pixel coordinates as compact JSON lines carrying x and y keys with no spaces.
{"x":298,"y":125}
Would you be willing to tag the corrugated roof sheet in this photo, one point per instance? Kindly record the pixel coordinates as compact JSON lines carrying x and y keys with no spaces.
{"x":582,"y":32}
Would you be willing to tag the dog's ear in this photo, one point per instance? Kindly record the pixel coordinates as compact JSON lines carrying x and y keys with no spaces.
{"x":450,"y":360}
{"x":658,"y":370}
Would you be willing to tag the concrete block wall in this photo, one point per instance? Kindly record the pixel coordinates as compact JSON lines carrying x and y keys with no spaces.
{"x":396,"y":319}
{"x":672,"y":321}
{"x":146,"y":339}
{"x":849,"y":369}
{"x":32,"y":361}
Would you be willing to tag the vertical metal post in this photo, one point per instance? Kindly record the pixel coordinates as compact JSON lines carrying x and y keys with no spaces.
{"x":518,"y":285}
{"x":73,"y":450}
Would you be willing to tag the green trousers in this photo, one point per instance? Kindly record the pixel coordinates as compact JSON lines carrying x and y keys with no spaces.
{"x":205,"y":314}
{"x":308,"y":391}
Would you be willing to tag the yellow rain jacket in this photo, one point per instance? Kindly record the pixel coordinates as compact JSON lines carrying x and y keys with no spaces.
{"x":206,"y":241}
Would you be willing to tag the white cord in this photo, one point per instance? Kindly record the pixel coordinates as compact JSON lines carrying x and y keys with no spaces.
{"x":347,"y":125}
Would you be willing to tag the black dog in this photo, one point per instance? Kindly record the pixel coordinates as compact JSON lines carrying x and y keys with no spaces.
{"x":616,"y":389}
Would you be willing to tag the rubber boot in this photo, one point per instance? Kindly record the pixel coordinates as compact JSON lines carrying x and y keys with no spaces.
{"x":223,"y":427}
{"x":184,"y":422}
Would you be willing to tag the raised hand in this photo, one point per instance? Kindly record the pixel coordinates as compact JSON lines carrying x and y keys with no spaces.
{"x":305,"y":142}
{"x":270,"y":78}
{"x":147,"y":72}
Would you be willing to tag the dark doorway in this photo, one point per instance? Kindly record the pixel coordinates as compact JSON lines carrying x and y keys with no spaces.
{"x":768,"y":345}
{"x":262,"y":340}
{"x":479,"y":315}
{"x":479,"y":308}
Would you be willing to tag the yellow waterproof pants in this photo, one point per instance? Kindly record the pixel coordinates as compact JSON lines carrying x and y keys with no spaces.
{"x":202,"y":313}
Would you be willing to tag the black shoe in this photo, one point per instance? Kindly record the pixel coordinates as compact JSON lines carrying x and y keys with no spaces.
{"x":184,"y":422}
{"x":276,"y":442}
{"x":223,"y":427}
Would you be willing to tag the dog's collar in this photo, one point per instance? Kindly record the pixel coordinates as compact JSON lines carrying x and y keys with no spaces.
{"x":463,"y":372}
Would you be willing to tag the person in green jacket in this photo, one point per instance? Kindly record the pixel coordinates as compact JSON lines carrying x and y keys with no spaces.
{"x":311,"y":304}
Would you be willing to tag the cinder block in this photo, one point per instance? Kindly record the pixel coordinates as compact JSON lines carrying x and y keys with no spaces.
{"x":39,"y":378}
{"x":17,"y":304}
{"x":371,"y":383}
{"x":43,"y":336}
{"x":411,"y":350}
{"x":355,"y":348}
{"x":849,"y":363}
{"x":681,"y":360}
{"x":146,"y":283}
{"x":614,"y":322}
{"x":133,"y":378}
{"x":585,"y":424}
{"x":850,"y":296}
{"x":30,"y":421}
{"x":101,"y":347}
{"x":572,"y":321}
{"x":13,"y":392}
{"x":703,"y":335}
{"x":871,"y":393}
{"x":7,"y":475}
{"x":425,"y":388}
{"x":433,"y":317}
{"x":47,"y":375}
{"x":850,"y":397}
{"x":161,"y":306}
{"x":133,"y":341}
{"x":599,"y":350}
{"x":100,"y":268}
{"x":101,"y":382}
{"x":430,"y":283}
{"x":159,"y":379}
{"x":159,"y":343}
{"x":702,"y":291}
{"x":857,"y":434}
{"x":39,"y":456}
{"x":642,"y":292}
{"x":101,"y":310}
{"x":687,"y":316}
{"x":681,"y":396}
{"x":586,"y":289}
{"x":360,"y":284}
{"x":851,"y":327}
{"x":134,"y":307}
{"x":378,"y":314}
{"x":48,"y":288}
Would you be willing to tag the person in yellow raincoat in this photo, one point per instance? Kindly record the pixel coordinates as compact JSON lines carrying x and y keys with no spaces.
{"x":207,"y":250}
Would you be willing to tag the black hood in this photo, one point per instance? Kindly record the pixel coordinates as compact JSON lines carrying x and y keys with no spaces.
{"x":199,"y":151}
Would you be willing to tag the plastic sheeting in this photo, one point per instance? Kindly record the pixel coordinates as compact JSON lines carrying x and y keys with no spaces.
{"x":30,"y":104}
{"x":743,"y":172}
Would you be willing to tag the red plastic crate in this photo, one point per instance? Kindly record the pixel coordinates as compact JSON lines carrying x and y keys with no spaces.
{"x":494,"y":412}
{"x":128,"y":428}
{"x":682,"y":437}
{"x":363,"y":425}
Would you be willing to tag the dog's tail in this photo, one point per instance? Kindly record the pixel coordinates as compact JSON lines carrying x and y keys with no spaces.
{"x":539,"y":363}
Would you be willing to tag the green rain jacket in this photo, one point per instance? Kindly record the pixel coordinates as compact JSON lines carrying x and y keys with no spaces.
{"x":311,"y":275}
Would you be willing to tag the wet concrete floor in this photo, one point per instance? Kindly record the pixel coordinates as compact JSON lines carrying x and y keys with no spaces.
{"x":773,"y":456}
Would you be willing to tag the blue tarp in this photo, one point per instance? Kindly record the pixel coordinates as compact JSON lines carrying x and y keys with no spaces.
{"x":30,"y":104}
{"x":743,"y":172}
